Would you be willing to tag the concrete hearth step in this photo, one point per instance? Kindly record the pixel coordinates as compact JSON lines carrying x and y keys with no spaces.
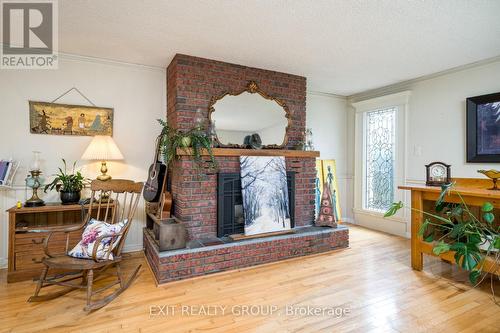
{"x":211,"y":255}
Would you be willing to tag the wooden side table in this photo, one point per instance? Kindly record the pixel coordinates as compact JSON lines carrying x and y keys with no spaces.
{"x":473,"y":191}
{"x":26,"y":248}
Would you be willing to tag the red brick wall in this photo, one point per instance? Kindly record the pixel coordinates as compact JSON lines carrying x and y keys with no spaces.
{"x":191,"y":83}
{"x":190,"y":263}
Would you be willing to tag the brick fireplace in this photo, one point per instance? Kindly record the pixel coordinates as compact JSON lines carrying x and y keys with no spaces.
{"x":191,"y":84}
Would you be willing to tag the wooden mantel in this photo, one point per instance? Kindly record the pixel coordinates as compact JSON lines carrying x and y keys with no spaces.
{"x":252,"y":152}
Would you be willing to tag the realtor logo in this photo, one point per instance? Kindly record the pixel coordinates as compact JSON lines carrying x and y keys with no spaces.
{"x":29,"y":35}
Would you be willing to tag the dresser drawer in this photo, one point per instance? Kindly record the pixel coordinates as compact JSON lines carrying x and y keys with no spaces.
{"x":24,"y":261}
{"x":27,"y":244}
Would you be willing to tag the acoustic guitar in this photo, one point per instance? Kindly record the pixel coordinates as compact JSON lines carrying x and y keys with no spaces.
{"x":157,"y":174}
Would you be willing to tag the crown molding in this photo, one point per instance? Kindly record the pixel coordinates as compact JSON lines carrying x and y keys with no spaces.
{"x":77,"y":57}
{"x":324,"y":94}
{"x":399,"y":98}
{"x":405,"y":85}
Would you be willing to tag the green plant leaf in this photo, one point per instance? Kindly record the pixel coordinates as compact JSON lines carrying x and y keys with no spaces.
{"x":489,"y":217}
{"x":467,"y":255}
{"x":496,"y":242}
{"x":457,"y":231}
{"x":423,"y":227}
{"x":393,"y":209}
{"x":444,"y":191}
{"x":440,"y":247}
{"x":429,"y":238}
{"x":487,"y":207}
{"x":457,"y":211}
{"x":474,"y":276}
{"x":474,"y":238}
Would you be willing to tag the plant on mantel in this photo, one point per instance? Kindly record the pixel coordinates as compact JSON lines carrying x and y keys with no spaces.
{"x":454,"y":227}
{"x":194,"y":141}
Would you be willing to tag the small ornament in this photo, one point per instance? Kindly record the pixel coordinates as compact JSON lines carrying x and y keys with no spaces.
{"x":326,"y":216}
{"x":494,"y":175}
{"x":438,"y":174}
{"x":309,"y":144}
{"x":19,"y":204}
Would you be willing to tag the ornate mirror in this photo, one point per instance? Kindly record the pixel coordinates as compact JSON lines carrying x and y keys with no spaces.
{"x":246,"y":113}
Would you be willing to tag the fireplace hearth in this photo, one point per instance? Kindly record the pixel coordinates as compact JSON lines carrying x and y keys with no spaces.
{"x":210,"y":205}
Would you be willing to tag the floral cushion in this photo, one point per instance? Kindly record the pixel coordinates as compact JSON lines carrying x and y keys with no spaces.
{"x":94,"y":230}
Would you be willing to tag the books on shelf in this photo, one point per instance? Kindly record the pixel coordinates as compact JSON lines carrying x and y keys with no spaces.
{"x":8,"y":169}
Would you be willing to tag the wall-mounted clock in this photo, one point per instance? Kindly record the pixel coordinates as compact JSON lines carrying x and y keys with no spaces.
{"x":438,"y":173}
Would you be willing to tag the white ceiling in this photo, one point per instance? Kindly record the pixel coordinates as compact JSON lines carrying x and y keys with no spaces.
{"x":341,"y":46}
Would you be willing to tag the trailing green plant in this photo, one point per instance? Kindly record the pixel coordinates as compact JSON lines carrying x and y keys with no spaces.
{"x":196,"y":141}
{"x":454,"y":227}
{"x":68,"y":182}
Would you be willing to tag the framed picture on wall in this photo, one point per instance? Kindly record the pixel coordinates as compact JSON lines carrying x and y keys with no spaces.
{"x":66,"y":119}
{"x":483,"y":129}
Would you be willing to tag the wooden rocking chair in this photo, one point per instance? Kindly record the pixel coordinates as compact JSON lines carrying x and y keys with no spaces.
{"x":89,"y":270}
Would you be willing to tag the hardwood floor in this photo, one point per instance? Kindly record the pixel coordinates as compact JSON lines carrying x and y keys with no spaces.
{"x":372,"y":279}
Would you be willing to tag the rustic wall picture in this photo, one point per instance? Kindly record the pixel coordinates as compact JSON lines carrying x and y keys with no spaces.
{"x":265,"y":194}
{"x":65,"y":119}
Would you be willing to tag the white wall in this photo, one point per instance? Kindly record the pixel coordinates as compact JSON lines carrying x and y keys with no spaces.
{"x":137,"y":94}
{"x":327,"y":116}
{"x":436,"y":120}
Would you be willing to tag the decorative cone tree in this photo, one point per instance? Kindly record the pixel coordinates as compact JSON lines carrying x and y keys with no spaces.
{"x":326,"y":216}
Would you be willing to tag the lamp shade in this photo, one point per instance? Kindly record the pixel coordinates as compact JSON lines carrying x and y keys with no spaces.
{"x":102,"y":148}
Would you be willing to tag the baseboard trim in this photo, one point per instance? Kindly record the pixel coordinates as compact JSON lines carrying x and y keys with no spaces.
{"x":393,"y":226}
{"x":348,"y":220}
{"x":132,"y":248}
{"x":3,"y":263}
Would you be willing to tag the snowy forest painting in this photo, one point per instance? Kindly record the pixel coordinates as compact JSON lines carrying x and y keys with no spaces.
{"x":265,"y":194}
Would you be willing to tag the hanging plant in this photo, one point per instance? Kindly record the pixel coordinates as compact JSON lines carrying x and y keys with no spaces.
{"x":195,"y":141}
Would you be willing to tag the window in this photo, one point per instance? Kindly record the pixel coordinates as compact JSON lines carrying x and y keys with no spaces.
{"x":379,"y":158}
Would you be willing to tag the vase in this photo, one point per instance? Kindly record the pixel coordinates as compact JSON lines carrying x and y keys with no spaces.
{"x":69,"y":197}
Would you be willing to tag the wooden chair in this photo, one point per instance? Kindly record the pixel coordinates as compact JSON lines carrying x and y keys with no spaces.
{"x":112,"y":200}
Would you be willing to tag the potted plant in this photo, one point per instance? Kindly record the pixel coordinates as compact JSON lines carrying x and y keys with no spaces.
{"x":69,"y":185}
{"x":196,"y":141}
{"x":454,"y":227}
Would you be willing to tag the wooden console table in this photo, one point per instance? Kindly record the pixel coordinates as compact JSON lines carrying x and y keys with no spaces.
{"x":26,"y":248}
{"x":474,"y":192}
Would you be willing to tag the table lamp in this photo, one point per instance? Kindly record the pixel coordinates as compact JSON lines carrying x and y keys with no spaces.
{"x":102,"y":148}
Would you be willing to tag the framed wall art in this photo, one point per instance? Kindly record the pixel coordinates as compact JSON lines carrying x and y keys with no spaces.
{"x":265,"y":194}
{"x":67,"y":119}
{"x":483,"y":129}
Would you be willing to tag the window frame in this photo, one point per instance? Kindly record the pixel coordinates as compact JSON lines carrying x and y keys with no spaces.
{"x":400,"y":102}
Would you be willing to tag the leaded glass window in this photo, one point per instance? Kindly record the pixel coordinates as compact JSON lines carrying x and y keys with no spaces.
{"x":380,"y":138}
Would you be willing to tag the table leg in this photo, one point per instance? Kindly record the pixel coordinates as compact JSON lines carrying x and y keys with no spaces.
{"x":417,"y":262}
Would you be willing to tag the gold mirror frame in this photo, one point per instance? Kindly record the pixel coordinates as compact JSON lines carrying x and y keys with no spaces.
{"x":252,"y":88}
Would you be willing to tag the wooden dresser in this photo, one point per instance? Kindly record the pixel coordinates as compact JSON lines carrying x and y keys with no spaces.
{"x":26,"y":248}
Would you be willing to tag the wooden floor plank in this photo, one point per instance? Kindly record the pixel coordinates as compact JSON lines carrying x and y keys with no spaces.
{"x":372,"y":279}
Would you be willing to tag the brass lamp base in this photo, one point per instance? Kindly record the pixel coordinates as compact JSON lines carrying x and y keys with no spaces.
{"x":35,"y":201}
{"x":103,"y":176}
